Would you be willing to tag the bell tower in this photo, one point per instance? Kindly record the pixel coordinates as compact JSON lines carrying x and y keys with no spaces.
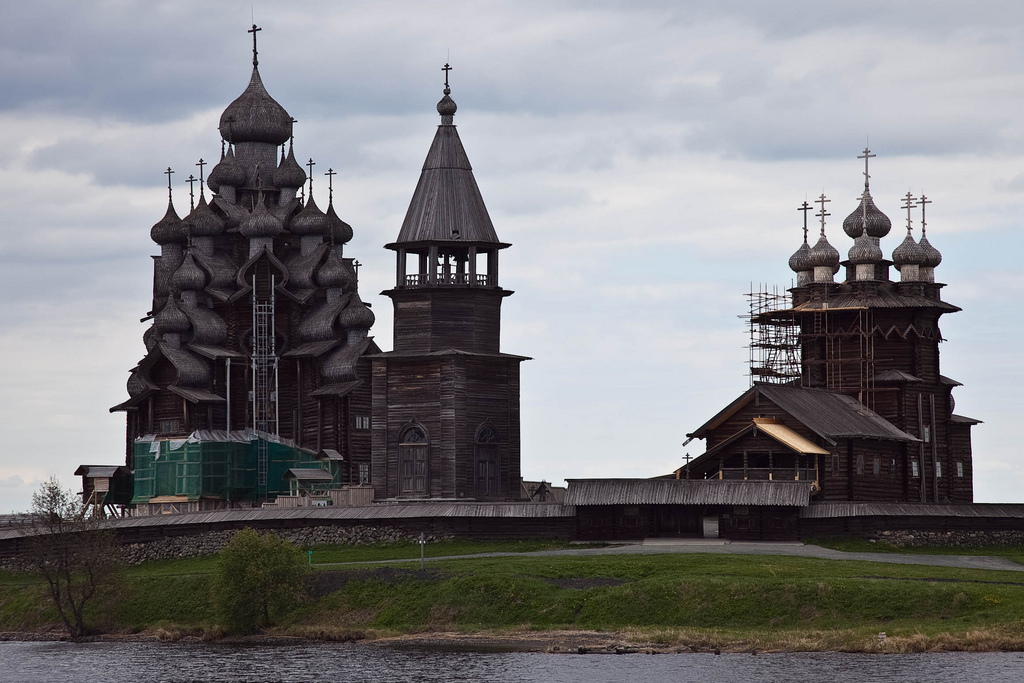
{"x":446,"y":400}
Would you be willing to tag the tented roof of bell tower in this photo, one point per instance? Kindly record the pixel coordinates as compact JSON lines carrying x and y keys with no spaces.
{"x":446,"y":205}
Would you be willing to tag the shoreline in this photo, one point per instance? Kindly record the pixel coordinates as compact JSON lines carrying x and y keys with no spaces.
{"x":580,"y":641}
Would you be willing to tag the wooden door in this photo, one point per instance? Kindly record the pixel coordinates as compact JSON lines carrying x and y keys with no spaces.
{"x":413,"y":470}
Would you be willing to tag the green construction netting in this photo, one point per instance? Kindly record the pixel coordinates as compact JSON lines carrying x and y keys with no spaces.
{"x":212,"y":469}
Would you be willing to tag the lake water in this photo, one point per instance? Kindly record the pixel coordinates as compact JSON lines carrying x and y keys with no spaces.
{"x":358,"y":663}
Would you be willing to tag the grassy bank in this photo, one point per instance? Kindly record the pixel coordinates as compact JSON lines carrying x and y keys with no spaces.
{"x":664,"y":601}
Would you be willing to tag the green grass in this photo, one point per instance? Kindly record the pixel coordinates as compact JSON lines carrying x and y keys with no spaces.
{"x":852,"y":544}
{"x":331,"y":554}
{"x":774,"y":601}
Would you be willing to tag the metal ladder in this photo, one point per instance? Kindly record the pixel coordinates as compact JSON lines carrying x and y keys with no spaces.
{"x":264,"y":378}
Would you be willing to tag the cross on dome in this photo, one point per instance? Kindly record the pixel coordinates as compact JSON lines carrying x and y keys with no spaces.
{"x":253,"y":30}
{"x":909,"y":202}
{"x":822,"y":214}
{"x":805,"y":207}
{"x":192,"y":190}
{"x":168,"y":173}
{"x":922,"y":202}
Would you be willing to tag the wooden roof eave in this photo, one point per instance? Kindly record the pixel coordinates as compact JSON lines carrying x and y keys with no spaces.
{"x":420,"y":244}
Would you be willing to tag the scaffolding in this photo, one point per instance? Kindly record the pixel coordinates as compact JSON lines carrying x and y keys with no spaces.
{"x":774,"y":349}
{"x":264,"y":376}
{"x":816,"y":346}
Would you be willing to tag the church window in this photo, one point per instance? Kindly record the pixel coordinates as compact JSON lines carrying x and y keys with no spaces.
{"x":860,"y":463}
{"x":362,"y":422}
{"x":413,"y":463}
{"x":959,"y":468}
{"x":364,"y":473}
{"x":835,"y":463}
{"x":914,"y":472}
{"x":927,"y":434}
{"x":877,"y":466}
{"x":487,"y":449}
{"x":938,"y":468}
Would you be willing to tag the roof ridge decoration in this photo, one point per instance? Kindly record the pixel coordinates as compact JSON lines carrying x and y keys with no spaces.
{"x":446,"y":205}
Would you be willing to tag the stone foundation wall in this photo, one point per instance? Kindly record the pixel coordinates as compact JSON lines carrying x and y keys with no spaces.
{"x":212,"y":542}
{"x":902,"y":539}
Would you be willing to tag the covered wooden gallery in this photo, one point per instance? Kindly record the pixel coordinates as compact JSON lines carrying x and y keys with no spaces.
{"x":623,"y":509}
{"x":789,"y":433}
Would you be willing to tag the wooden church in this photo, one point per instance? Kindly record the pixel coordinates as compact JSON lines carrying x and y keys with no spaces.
{"x":260,"y":375}
{"x":847,"y":392}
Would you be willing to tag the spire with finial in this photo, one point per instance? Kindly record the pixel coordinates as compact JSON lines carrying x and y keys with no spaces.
{"x":338,"y":231}
{"x":932,"y":256}
{"x":799,"y":262}
{"x":202,"y":177}
{"x":823,"y":257}
{"x":191,"y":180}
{"x":255,"y":54}
{"x":169,"y":229}
{"x":907,"y":257}
{"x":867,"y":217}
{"x":446,"y":107}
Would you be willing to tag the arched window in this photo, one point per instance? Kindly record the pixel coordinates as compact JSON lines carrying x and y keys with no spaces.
{"x":413,"y":469}
{"x":487,"y":449}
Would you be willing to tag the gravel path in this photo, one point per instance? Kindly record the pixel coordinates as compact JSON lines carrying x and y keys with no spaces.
{"x":666,"y":546}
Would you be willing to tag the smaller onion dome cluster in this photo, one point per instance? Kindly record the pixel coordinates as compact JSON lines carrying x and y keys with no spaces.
{"x":867,"y":224}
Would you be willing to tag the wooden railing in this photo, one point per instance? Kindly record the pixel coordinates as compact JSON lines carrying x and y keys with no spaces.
{"x":449,"y":280}
{"x":768,"y":473}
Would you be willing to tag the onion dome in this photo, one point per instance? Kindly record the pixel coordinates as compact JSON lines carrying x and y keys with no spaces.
{"x":800,"y":260}
{"x":203,"y":222}
{"x":357,"y":315}
{"x":226,"y":172}
{"x":338,"y":231}
{"x":189,"y":277}
{"x":335,"y":273}
{"x":932,"y":257}
{"x":867,"y":215}
{"x":168,"y":229}
{"x":824,"y":255}
{"x":289,"y":173}
{"x":255,"y":116}
{"x":447,"y":106}
{"x":865,"y":250}
{"x":261,"y":223}
{"x":909,"y":253}
{"x":310,"y":221}
{"x":171,"y":319}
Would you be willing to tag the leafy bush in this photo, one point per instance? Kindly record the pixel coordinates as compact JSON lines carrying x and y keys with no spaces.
{"x":259,"y":579}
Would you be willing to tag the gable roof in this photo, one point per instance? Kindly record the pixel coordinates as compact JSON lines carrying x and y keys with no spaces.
{"x":829,"y":415}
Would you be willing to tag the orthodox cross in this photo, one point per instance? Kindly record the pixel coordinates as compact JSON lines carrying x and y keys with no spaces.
{"x":356,"y":264}
{"x":330,"y":183}
{"x":311,"y":164}
{"x":923,"y":201}
{"x":446,"y":68}
{"x":805,"y":207}
{"x":168,"y":173}
{"x":191,"y":191}
{"x":865,"y":156}
{"x":821,"y":214}
{"x":291,"y":138}
{"x":200,"y":165}
{"x":909,"y":201}
{"x":253,"y":30}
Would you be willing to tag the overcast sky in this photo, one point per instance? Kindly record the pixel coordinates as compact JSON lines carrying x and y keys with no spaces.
{"x":645,"y":159}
